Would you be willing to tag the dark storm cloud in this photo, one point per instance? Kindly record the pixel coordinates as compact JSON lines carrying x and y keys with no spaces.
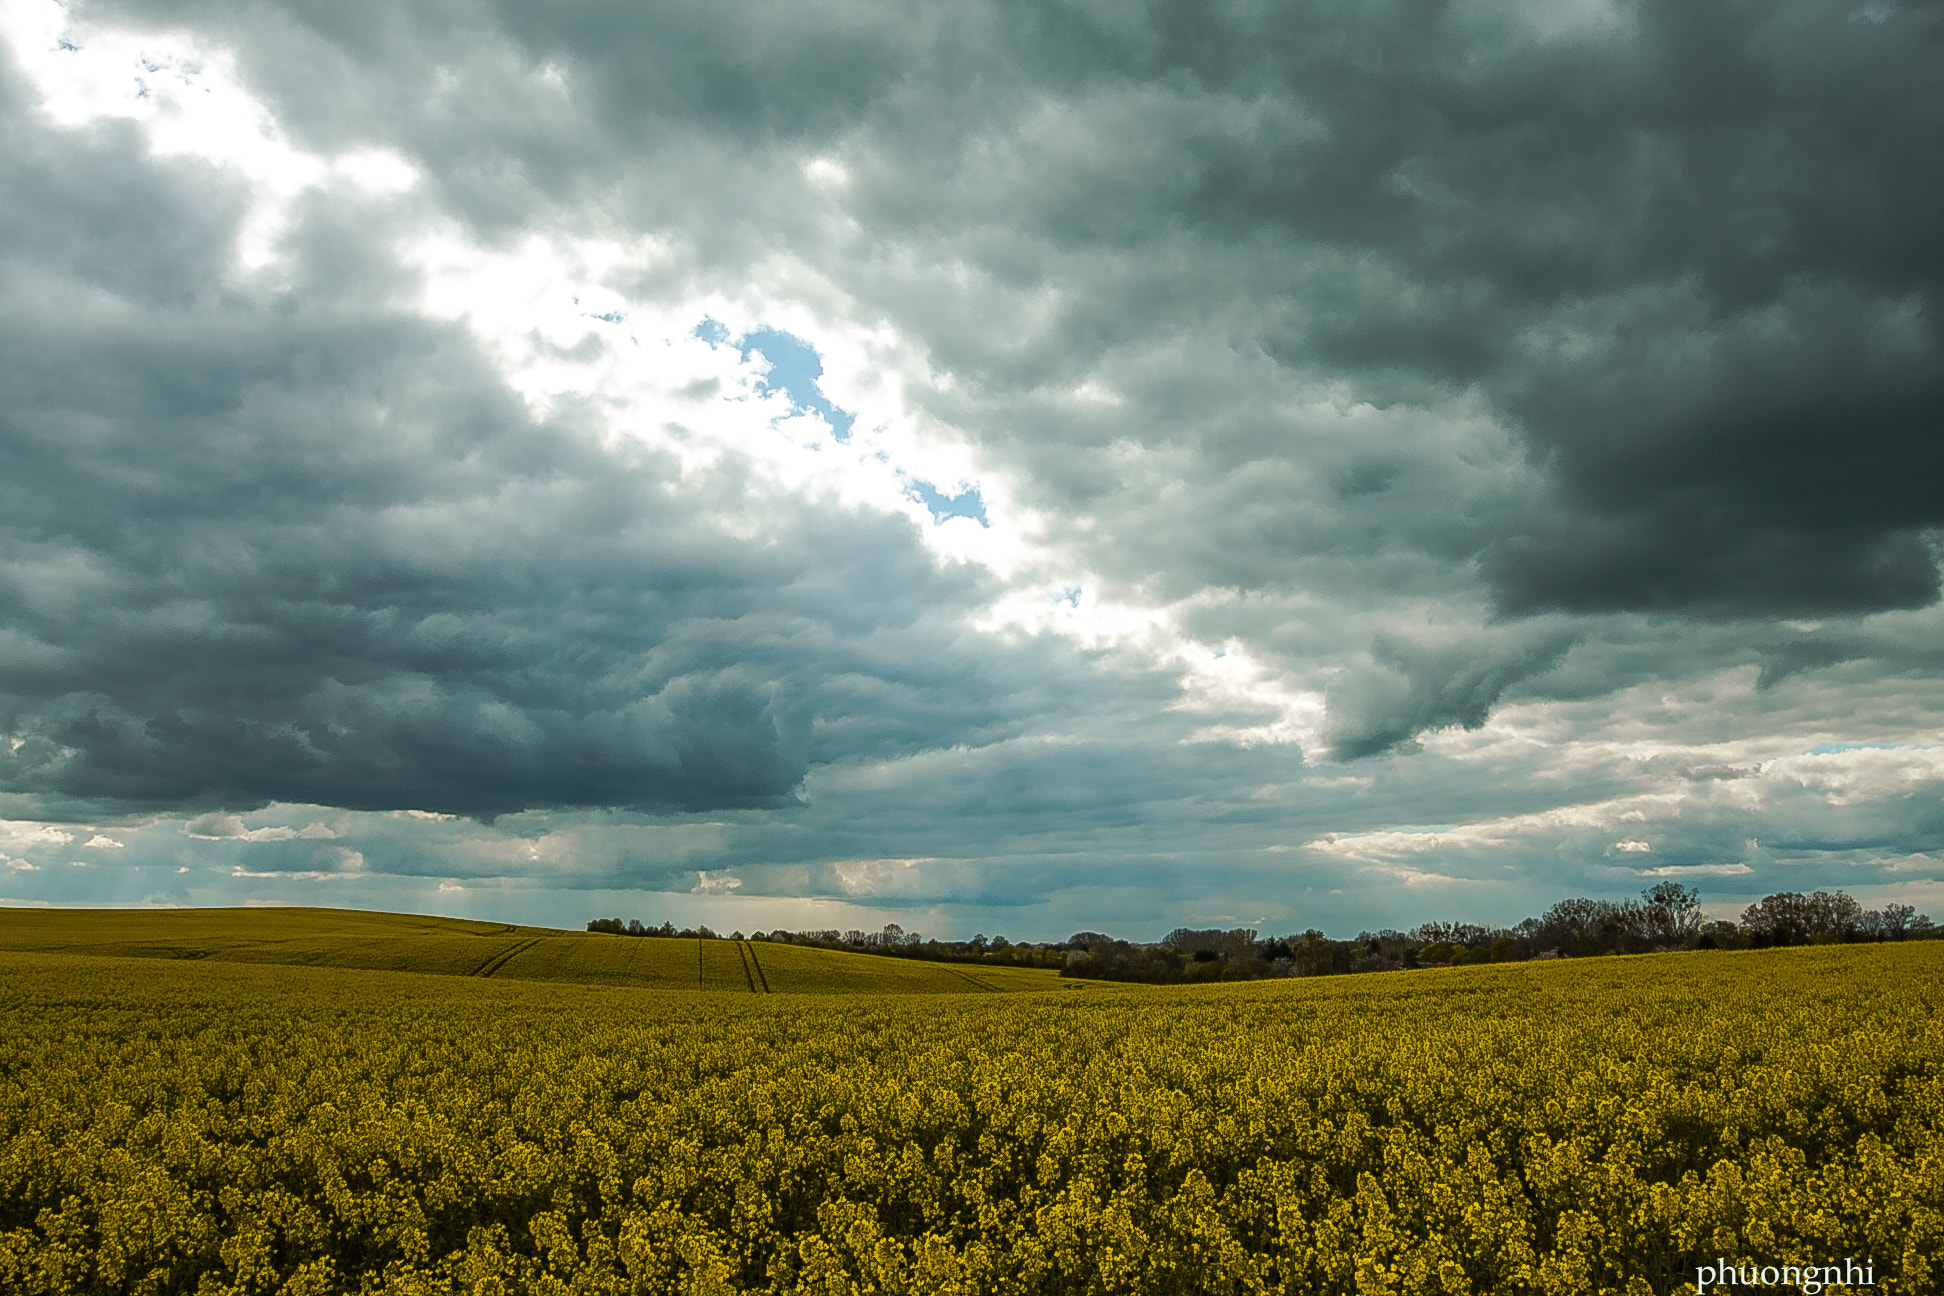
{"x":1410,"y":688}
{"x":1687,"y":252}
{"x":301,"y":546}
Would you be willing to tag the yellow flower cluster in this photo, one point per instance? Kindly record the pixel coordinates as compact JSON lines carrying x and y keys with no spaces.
{"x":1598,"y":1127}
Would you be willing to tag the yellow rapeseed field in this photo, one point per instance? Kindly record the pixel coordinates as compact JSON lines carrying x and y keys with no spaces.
{"x":346,"y":938}
{"x":1583,"y":1128}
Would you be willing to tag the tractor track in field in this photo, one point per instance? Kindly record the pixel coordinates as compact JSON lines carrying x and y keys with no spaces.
{"x":967,"y":976}
{"x":500,"y":960}
{"x":753,"y":962}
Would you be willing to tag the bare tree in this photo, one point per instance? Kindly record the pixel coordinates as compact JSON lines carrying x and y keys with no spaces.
{"x":1671,"y":913}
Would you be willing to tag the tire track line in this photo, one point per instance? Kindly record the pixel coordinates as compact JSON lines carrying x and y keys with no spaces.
{"x":759,"y":968}
{"x":499,"y":961}
{"x":967,"y":976}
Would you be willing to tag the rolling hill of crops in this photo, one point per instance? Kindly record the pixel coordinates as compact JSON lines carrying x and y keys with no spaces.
{"x":343,"y":938}
{"x":1594,"y":1127}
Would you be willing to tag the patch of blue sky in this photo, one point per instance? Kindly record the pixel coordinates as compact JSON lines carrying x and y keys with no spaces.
{"x":967,"y":503}
{"x":1830,"y":749}
{"x":794,"y":367}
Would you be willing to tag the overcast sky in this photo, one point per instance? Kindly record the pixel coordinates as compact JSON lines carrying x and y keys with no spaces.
{"x":988,"y":466}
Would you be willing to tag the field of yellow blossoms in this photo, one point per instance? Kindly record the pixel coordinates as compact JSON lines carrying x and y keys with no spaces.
{"x":1571,"y":1128}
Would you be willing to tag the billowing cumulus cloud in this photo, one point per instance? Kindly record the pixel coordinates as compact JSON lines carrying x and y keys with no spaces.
{"x":1055,"y":463}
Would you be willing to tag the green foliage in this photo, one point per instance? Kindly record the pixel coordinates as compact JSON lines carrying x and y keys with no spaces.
{"x":1598,"y":1127}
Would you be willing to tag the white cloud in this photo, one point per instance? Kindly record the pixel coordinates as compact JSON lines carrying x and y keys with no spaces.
{"x":17,"y":835}
{"x":230,"y":827}
{"x":1414,"y":877}
{"x":298,"y":875}
{"x":1490,"y":833}
{"x":864,"y":877}
{"x":1698,"y":870}
{"x":1852,"y":774}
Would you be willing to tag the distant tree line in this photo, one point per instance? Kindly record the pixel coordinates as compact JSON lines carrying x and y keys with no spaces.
{"x":1666,"y":917}
{"x":893,"y":941}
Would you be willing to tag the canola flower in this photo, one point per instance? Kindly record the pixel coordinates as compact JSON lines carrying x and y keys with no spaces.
{"x":1598,"y":1127}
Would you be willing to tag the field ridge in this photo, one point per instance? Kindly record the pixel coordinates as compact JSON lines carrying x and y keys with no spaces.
{"x":390,"y":942}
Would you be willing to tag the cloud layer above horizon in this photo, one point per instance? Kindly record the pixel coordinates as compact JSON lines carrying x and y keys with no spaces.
{"x":985,"y":466}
